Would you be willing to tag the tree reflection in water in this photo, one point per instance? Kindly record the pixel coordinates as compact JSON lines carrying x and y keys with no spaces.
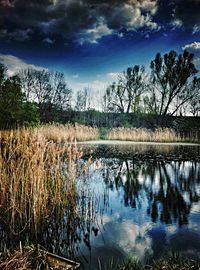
{"x":170,"y":187}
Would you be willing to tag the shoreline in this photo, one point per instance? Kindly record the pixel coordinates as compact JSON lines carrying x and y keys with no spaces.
{"x":115,"y":142}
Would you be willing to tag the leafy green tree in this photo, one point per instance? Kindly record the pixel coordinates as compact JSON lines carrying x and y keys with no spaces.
{"x":14,"y":110}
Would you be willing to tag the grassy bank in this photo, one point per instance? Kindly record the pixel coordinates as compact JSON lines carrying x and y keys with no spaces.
{"x":158,"y":135}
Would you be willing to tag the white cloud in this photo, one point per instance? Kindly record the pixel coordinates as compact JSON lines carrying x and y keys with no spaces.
{"x":14,"y":64}
{"x":93,"y":35}
{"x":196,"y":29}
{"x":177,"y":24}
{"x":48,"y":40}
{"x":136,"y":19}
{"x":146,"y":5}
{"x":132,"y":16}
{"x":194,"y":46}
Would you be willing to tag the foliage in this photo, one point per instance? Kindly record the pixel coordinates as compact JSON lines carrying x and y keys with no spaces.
{"x":14,"y":110}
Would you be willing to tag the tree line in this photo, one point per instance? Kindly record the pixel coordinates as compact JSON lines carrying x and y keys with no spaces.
{"x":172,"y":87}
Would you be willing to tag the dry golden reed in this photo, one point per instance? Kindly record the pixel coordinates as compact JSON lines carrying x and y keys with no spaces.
{"x":68,"y":132}
{"x":142,"y":134}
{"x":36,"y":176}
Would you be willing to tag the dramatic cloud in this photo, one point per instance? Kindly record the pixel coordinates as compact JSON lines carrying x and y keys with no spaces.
{"x":14,"y":64}
{"x":87,"y":21}
{"x":188,"y":12}
{"x":71,"y":19}
{"x":92,"y":35}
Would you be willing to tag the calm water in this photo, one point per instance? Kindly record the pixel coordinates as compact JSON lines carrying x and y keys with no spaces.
{"x":147,"y":202}
{"x":134,"y":200}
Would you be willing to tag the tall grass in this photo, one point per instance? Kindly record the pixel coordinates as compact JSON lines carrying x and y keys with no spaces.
{"x":173,"y":262}
{"x":68,"y":132}
{"x":36,"y":176}
{"x":158,"y":135}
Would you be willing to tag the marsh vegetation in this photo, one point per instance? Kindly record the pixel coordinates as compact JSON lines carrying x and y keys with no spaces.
{"x":147,"y":135}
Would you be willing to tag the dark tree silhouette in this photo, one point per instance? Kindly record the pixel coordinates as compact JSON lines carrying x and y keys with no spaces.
{"x":194,"y":102}
{"x":48,"y":90}
{"x":125,"y":94}
{"x":171,"y":76}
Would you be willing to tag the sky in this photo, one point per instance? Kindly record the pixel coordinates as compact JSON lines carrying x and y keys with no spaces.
{"x":92,"y":41}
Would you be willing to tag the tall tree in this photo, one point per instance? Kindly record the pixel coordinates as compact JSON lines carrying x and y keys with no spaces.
{"x":194,"y":102}
{"x":48,"y":89}
{"x":83,"y":100}
{"x":171,"y":76}
{"x":125,"y":95}
{"x":14,"y":110}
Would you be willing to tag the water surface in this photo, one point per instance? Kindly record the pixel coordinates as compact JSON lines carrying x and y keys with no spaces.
{"x":147,"y":202}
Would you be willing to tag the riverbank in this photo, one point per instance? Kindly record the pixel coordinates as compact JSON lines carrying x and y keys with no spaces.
{"x":122,"y":142}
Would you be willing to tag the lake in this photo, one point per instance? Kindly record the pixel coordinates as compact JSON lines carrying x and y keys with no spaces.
{"x":146,"y":199}
{"x":134,"y":200}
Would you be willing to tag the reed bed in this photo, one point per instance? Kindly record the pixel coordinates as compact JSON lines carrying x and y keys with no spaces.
{"x":158,"y":135}
{"x":63,"y":133}
{"x":174,"y":262}
{"x":36,"y":177}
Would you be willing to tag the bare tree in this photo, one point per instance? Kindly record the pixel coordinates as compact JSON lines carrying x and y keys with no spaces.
{"x":48,"y":89}
{"x":114,"y":99}
{"x":194,"y":103}
{"x":125,"y":95}
{"x":171,"y":76}
{"x":83,"y":100}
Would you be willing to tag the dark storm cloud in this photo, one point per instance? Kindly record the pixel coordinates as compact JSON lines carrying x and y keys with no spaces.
{"x":188,"y":11}
{"x":86,"y":19}
{"x":89,"y":20}
{"x":177,"y":12}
